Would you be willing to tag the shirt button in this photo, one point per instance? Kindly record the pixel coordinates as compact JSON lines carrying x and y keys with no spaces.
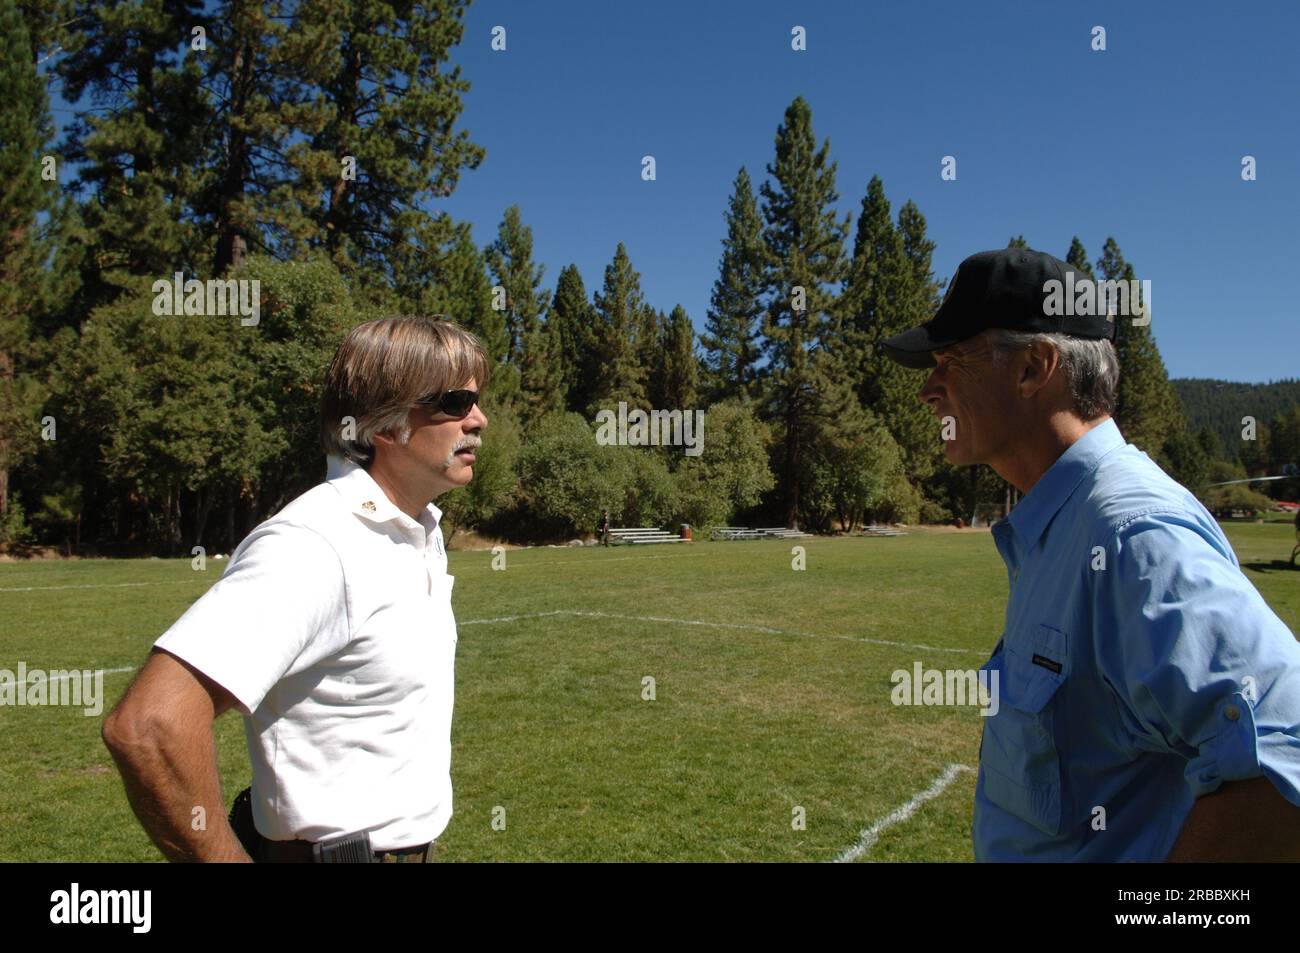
{"x":1232,"y":713}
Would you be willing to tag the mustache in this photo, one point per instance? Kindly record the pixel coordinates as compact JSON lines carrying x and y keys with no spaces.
{"x":467,"y":443}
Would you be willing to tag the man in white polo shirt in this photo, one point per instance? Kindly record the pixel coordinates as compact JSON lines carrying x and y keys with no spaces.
{"x":331,"y":632}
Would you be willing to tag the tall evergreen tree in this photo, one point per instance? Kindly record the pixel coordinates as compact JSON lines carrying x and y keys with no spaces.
{"x":510,"y":257}
{"x":459,"y":289}
{"x":675,"y":382}
{"x":572,"y":319}
{"x":648,"y":346}
{"x":140,"y":153}
{"x":541,"y":389}
{"x":1210,"y":443}
{"x":910,"y":421}
{"x":731,"y":328}
{"x":805,"y":241}
{"x":620,"y":375}
{"x":1148,"y":412}
{"x":1077,"y":258}
{"x":324,"y":126}
{"x":25,"y":128}
{"x":919,"y":251}
{"x":387,"y":99}
{"x":890,"y":289}
{"x":533,"y":346}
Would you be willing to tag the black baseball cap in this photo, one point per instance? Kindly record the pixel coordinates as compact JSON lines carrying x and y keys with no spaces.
{"x":1008,"y":289}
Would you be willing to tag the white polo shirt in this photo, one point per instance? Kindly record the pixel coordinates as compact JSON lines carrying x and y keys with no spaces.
{"x":332,"y":627}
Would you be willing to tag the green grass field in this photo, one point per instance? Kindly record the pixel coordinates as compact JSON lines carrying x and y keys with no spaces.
{"x":771,"y":692}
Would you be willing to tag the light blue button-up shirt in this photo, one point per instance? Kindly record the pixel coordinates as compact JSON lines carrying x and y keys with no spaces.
{"x":1139,"y":669}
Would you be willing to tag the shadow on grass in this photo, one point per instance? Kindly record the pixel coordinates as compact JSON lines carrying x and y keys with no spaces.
{"x":1271,"y":566}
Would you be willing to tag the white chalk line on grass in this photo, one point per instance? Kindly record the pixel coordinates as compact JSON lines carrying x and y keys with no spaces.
{"x":78,"y":674}
{"x":99,"y":585}
{"x":872,"y":834}
{"x":747,"y":627}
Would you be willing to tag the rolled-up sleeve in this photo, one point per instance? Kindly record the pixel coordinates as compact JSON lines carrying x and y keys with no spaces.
{"x":1202,"y":665}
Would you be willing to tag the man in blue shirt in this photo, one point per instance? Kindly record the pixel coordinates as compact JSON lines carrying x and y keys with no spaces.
{"x":1149,"y":698}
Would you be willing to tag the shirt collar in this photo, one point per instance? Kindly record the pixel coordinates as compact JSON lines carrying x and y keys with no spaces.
{"x":1029,"y":517}
{"x":368,"y":500}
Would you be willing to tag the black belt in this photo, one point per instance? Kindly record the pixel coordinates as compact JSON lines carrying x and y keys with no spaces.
{"x":300,"y":852}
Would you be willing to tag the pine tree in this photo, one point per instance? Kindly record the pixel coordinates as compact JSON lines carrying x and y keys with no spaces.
{"x":383,"y":97}
{"x":1147,"y":411}
{"x":1284,"y":451}
{"x":648,"y":347}
{"x":890,"y":289}
{"x":919,"y":251}
{"x":541,"y":389}
{"x":460,"y":290}
{"x":1077,"y":258}
{"x":25,"y":127}
{"x":619,"y":375}
{"x":910,"y":421}
{"x":533,"y":346}
{"x":730,"y":336}
{"x":572,"y":318}
{"x":851,"y":456}
{"x":327,"y":127}
{"x":805,"y":242}
{"x":675,"y":384}
{"x":1210,"y":443}
{"x":1017,"y":241}
{"x":510,"y":257}
{"x":140,"y":153}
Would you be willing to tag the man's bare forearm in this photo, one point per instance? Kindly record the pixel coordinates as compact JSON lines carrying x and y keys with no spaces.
{"x":1242,"y":821}
{"x":168,"y":779}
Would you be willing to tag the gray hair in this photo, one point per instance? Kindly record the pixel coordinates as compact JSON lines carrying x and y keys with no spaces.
{"x":1091,"y":366}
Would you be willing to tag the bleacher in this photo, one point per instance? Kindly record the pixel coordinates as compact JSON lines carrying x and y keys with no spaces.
{"x":642,"y":535}
{"x":763,"y":532}
{"x":780,"y":532}
{"x":881,"y":531}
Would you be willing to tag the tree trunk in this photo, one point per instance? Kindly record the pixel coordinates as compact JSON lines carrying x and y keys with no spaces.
{"x":337,"y":218}
{"x":232,"y":243}
{"x":229,"y":541}
{"x":201,"y":520}
{"x":6,"y":382}
{"x":792,"y":466}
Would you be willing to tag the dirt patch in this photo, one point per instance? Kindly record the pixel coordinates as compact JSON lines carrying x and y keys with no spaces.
{"x":19,"y":554}
{"x":471,"y":540}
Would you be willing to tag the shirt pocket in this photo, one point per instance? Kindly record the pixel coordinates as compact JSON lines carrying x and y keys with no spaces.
{"x":1018,"y":754}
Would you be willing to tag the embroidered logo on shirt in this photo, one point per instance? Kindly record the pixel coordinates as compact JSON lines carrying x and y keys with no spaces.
{"x":368,"y":506}
{"x":1047,"y":664}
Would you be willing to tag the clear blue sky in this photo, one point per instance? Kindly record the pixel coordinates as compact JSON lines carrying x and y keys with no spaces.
{"x":1143,"y":141}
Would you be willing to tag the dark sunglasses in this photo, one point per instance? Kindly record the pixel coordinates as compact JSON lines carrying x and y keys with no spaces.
{"x":454,"y":403}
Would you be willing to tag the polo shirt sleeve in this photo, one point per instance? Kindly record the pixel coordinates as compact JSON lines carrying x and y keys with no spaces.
{"x":1203,"y":666}
{"x":280,"y":607}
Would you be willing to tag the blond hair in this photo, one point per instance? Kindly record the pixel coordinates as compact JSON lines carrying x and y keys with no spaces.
{"x":379,"y":372}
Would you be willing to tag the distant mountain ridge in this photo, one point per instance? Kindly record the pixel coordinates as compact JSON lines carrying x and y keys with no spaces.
{"x":1222,"y":404}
